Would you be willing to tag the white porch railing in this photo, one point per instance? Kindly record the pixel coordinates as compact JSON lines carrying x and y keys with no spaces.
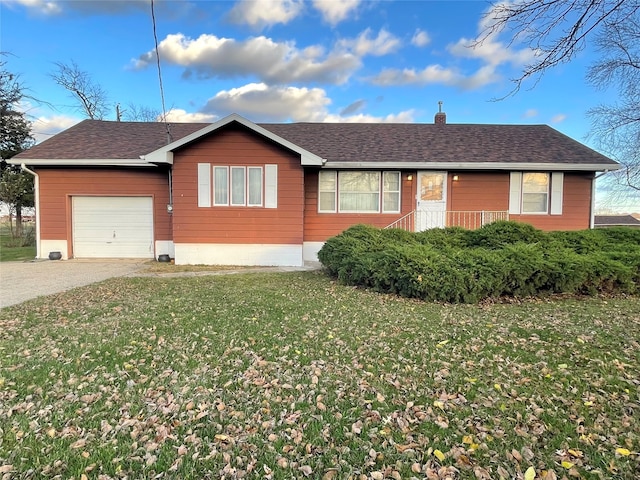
{"x":418,"y":220}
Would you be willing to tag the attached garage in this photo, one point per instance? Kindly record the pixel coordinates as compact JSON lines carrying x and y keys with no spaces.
{"x":112,"y":227}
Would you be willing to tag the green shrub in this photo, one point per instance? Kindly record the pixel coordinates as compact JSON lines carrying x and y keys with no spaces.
{"x":501,"y":259}
{"x":502,"y":233}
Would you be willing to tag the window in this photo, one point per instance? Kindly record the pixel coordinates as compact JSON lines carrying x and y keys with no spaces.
{"x":221,"y":185}
{"x":238,"y":186}
{"x":358,"y":192}
{"x":254,"y":186}
{"x":391,"y":189}
{"x":327,"y":190}
{"x":536,"y":193}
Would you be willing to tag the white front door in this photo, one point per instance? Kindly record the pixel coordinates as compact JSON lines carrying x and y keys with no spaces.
{"x":432,"y":200}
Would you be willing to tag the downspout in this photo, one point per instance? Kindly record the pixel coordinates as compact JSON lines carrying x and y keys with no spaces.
{"x":593,"y":199}
{"x":36,"y":189}
{"x":170,"y":189}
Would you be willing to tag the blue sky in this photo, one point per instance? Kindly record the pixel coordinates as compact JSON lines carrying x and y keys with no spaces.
{"x":289,"y":60}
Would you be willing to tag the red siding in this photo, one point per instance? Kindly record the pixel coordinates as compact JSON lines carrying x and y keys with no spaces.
{"x":58,"y":185}
{"x":234,"y":146}
{"x":576,"y":208}
{"x":473,"y":191}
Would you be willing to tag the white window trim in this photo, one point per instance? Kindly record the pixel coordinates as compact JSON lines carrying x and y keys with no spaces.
{"x":381,"y":192}
{"x":541,"y":212}
{"x":244,"y":193}
{"x":220,"y":167}
{"x":335,"y":191}
{"x":399,"y":192}
{"x":204,"y":185}
{"x":555,"y":195}
{"x":271,"y":186}
{"x":248,"y":188}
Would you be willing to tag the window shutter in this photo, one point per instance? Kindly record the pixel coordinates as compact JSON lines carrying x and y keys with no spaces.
{"x":204,"y":185}
{"x":271,"y":186}
{"x":515,"y":192}
{"x":557,"y":181}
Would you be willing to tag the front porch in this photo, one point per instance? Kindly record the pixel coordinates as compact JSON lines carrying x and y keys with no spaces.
{"x":419,"y":220}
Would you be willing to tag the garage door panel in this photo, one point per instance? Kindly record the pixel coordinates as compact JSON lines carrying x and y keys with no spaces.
{"x":113,"y":227}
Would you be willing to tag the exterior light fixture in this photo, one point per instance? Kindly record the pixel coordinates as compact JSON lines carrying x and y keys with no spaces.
{"x":456,"y":178}
{"x":409,"y":177}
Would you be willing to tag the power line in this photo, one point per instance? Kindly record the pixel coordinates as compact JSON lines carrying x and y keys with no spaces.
{"x":164,"y":110}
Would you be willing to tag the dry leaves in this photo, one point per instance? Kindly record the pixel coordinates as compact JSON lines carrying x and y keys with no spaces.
{"x":294,"y":376}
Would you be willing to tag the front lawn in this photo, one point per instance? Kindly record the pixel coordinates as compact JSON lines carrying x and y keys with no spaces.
{"x":11,"y":249}
{"x":291,"y":375}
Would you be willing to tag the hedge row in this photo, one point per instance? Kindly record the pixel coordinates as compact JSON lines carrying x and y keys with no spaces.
{"x":501,"y":259}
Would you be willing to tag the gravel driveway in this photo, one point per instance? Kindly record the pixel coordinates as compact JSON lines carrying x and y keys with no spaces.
{"x":21,"y":281}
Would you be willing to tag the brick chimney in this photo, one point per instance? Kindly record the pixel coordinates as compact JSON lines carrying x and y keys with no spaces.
{"x":441,"y":117}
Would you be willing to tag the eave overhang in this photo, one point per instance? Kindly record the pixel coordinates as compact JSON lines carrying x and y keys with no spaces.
{"x":512,"y":166}
{"x":81,"y":162}
{"x":165,"y":154}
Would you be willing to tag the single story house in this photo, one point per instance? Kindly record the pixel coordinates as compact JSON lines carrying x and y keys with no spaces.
{"x":239,"y":193}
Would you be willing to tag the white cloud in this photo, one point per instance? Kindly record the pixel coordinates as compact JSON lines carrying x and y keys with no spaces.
{"x":363,"y":44}
{"x":490,"y":53}
{"x":260,"y":13}
{"x":436,"y":74}
{"x":209,"y":56}
{"x":407,"y":116}
{"x":41,"y":7}
{"x":420,"y":38}
{"x":335,"y":11}
{"x":263,"y":103}
{"x":44,"y":127}
{"x":530,"y":113}
{"x":410,"y":76}
{"x":560,"y":117}
{"x":490,"y":50}
{"x":178,"y":115}
{"x":99,"y":7}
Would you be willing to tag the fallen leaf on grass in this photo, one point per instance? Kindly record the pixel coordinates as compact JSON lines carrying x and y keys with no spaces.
{"x":78,"y":443}
{"x":306,"y":469}
{"x":530,"y":474}
{"x":623,"y":451}
{"x":439,"y":455}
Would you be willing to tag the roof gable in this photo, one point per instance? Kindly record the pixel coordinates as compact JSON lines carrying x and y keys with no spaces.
{"x":165,"y":154}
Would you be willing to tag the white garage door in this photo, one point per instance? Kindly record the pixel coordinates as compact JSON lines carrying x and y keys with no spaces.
{"x":113,"y":227}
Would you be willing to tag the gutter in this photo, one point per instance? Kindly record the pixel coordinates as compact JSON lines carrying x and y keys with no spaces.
{"x":36,"y":189}
{"x":593,"y":199}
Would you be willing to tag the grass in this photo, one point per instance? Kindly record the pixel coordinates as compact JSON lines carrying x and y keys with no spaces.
{"x":10,"y":253}
{"x":290,"y":375}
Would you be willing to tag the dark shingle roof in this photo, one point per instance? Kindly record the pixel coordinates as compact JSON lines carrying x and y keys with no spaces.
{"x":340,"y":142}
{"x":403,"y":142}
{"x":97,"y":139}
{"x":611,"y":220}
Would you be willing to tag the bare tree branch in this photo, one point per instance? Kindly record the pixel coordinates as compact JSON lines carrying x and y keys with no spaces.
{"x":555,"y":29}
{"x":92,"y":99}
